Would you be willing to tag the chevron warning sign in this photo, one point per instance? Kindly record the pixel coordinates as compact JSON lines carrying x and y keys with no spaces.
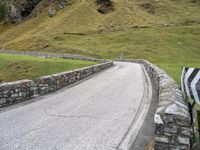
{"x":190,"y":83}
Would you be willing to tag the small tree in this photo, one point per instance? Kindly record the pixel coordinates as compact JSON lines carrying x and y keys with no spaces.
{"x":3,"y":11}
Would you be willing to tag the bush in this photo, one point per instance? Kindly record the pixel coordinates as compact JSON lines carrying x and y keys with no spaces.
{"x":3,"y":11}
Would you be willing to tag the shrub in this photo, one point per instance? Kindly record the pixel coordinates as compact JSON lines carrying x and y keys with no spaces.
{"x":3,"y":11}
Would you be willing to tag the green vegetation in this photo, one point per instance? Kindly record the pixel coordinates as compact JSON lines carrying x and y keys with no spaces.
{"x":171,"y":48}
{"x":14,"y":67}
{"x":196,"y":107}
{"x":3,"y":11}
{"x":165,"y":32}
{"x":137,"y":28}
{"x":81,"y":16}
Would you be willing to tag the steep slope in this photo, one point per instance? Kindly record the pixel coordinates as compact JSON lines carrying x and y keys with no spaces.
{"x":81,"y":17}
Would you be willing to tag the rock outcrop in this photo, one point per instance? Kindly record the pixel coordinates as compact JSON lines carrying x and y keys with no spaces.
{"x":105,"y":6}
{"x":18,"y":9}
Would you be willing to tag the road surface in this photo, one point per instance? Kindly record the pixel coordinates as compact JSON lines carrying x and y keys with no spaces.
{"x":96,"y":114}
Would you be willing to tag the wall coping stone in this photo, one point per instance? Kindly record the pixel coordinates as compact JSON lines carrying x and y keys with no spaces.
{"x":15,"y":82}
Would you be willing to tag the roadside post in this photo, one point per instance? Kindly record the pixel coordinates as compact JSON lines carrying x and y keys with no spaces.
{"x":198,"y":116}
{"x":190,"y":86}
{"x":120,"y":57}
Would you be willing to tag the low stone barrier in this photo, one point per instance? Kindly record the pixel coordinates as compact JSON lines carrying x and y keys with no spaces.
{"x":50,"y":55}
{"x":18,"y":91}
{"x":13,"y":92}
{"x":54,"y":82}
{"x":172,"y":119}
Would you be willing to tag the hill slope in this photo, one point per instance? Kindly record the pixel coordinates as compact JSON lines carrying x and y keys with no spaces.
{"x":81,"y":16}
{"x":165,"y":32}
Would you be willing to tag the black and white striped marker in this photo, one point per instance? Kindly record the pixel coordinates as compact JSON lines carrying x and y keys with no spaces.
{"x":190,"y":83}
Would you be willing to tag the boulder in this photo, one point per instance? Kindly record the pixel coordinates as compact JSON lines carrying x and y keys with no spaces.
{"x":51,"y":12}
{"x":105,"y":6}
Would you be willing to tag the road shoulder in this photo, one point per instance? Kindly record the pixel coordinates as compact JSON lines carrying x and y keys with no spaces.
{"x":140,"y":118}
{"x":144,"y":139}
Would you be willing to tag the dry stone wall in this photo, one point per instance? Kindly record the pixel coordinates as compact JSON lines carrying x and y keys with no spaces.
{"x":50,"y":55}
{"x":172,"y":119}
{"x":54,"y":82}
{"x":14,"y":92}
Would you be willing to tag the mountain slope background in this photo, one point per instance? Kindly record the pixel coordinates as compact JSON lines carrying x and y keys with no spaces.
{"x":81,"y":16}
{"x":166,"y":32}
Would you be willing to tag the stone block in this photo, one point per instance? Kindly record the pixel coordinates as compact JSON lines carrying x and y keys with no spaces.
{"x":185,"y":131}
{"x":179,"y":147}
{"x":159,"y":129}
{"x":158,"y":119}
{"x":2,"y":101}
{"x":168,"y":119}
{"x":184,"y":140}
{"x":162,"y":139}
{"x":170,"y":128}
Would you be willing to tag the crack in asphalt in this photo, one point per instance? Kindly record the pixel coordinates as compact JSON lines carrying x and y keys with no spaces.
{"x":70,"y":116}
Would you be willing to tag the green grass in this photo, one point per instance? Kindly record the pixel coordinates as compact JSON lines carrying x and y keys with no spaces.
{"x":81,"y":16}
{"x":14,"y":67}
{"x":171,"y":48}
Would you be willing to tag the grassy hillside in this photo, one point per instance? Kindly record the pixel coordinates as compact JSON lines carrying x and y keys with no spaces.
{"x":169,"y":47}
{"x":81,"y":16}
{"x":165,"y":32}
{"x":13,"y":67}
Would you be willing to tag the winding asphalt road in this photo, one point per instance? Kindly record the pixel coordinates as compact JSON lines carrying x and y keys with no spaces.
{"x":101,"y":113}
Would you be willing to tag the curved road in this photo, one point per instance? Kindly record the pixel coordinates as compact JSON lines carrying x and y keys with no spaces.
{"x":96,"y":114}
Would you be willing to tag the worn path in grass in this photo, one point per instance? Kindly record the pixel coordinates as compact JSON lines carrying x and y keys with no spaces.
{"x":99,"y":113}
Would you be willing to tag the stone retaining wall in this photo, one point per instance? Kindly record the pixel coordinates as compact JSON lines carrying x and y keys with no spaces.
{"x":50,"y":55}
{"x":54,"y":82}
{"x":172,"y":119}
{"x":14,"y":92}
